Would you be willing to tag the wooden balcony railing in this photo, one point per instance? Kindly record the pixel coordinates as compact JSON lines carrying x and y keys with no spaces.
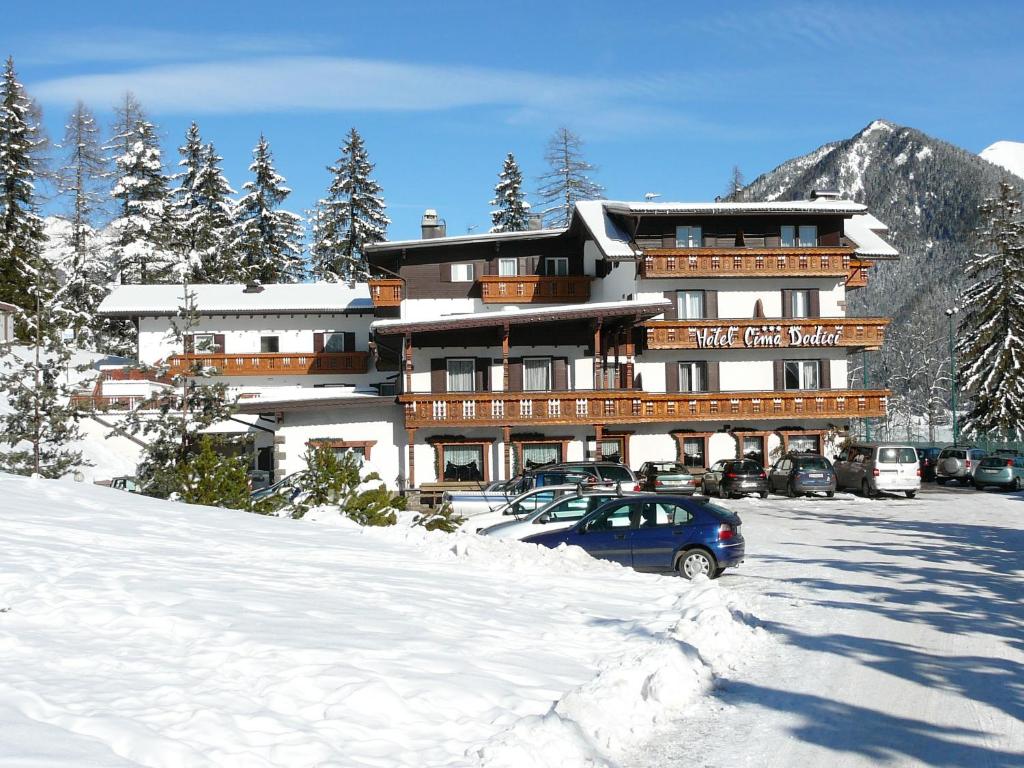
{"x":534,"y":289}
{"x":275,"y":363}
{"x":634,"y":407}
{"x":746,"y":262}
{"x":857,"y":277}
{"x":768,"y":333}
{"x":93,"y":402}
{"x":386,"y":292}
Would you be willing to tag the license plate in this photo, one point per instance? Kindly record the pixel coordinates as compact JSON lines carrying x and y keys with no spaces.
{"x":816,"y":475}
{"x":749,"y":485}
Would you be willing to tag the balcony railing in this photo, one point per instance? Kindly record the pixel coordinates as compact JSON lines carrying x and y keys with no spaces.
{"x":768,"y":333}
{"x":274,"y":363}
{"x":857,"y":277}
{"x":386,"y":292}
{"x":534,"y":289}
{"x":746,"y":262}
{"x":634,"y":407}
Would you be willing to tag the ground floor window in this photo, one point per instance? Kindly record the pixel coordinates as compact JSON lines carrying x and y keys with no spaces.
{"x":809,"y":443}
{"x":612,"y":449}
{"x":538,"y":454}
{"x":694,"y":452}
{"x":752,"y":447}
{"x":462,"y":462}
{"x":359,"y":448}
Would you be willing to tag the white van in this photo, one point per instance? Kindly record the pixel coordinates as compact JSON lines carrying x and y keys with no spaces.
{"x":874,"y":467}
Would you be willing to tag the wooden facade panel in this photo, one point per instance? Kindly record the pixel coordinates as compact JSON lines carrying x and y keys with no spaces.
{"x":386,"y":292}
{"x":771,"y":333}
{"x":534,"y":289}
{"x":274,"y":363}
{"x":745,"y":262}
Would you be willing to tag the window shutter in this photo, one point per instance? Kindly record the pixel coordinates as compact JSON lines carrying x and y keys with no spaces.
{"x":711,"y":305}
{"x":446,"y":273}
{"x":190,"y":343}
{"x":438,"y":375}
{"x":218,"y":342}
{"x":560,"y":374}
{"x":713,"y":381}
{"x":672,"y":377}
{"x":515,"y":374}
{"x":672,"y":313}
{"x":825,"y":374}
{"x":787,"y":303}
{"x":483,"y":369}
{"x":349,"y":341}
{"x":780,"y":374}
{"x":814,"y":305}
{"x":318,"y":342}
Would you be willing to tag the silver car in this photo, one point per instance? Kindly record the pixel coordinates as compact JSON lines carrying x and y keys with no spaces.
{"x":874,"y":467}
{"x":958,"y":463}
{"x":1006,"y":472}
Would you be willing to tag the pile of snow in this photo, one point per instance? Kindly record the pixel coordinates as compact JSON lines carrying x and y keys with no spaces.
{"x":1006,"y":154}
{"x":142,"y":632}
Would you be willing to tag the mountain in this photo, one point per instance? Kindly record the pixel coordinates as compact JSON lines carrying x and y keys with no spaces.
{"x":1006,"y":154}
{"x":927,"y":191}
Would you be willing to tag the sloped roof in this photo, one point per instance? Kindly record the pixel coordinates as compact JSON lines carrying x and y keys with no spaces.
{"x":278,"y":298}
{"x":865,"y":231}
{"x":822,"y":206}
{"x":5,"y":307}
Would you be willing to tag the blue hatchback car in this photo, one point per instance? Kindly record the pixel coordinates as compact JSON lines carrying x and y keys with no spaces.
{"x":659,"y":533}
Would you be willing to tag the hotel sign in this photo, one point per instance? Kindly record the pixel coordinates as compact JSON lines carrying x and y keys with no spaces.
{"x":767,"y":336}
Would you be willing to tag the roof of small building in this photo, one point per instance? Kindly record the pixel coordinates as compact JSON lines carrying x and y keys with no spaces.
{"x":5,"y":307}
{"x":295,"y":398}
{"x":481,"y":237}
{"x":232,"y":298}
{"x":866,"y":232}
{"x":821,"y":206}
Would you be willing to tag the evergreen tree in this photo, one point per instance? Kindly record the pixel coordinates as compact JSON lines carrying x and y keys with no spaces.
{"x":268,"y":240}
{"x":203,"y":213}
{"x":567,"y":179}
{"x":512,"y":213}
{"x":214,"y":479}
{"x":991,"y":334}
{"x":351,"y":217}
{"x":80,"y":262}
{"x":21,"y":228}
{"x":142,"y":233}
{"x":330,"y":481}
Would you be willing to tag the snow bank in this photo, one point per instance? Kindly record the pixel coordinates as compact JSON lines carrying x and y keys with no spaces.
{"x":141,"y":632}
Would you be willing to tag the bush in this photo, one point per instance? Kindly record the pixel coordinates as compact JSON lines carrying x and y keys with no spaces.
{"x":215,"y":480}
{"x":442,"y":519}
{"x":336,"y":482}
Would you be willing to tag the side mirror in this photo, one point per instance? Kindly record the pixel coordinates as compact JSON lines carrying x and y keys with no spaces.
{"x":544,"y":518}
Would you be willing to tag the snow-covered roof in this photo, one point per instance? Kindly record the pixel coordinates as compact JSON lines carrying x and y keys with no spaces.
{"x":5,"y":307}
{"x":281,"y":298}
{"x":865,"y":231}
{"x":290,"y":398}
{"x":483,"y":237}
{"x":614,"y":242}
{"x":824,"y":205}
{"x":515,"y":316}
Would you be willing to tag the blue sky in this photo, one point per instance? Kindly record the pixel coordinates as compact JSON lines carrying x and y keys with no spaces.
{"x":668,"y":96}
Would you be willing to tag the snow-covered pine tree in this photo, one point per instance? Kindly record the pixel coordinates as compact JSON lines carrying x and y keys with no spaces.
{"x":203,"y":212}
{"x":216,"y":479}
{"x":268,"y":240}
{"x":512,"y":212}
{"x":567,"y":179}
{"x":991,"y":332}
{"x":142,"y":233}
{"x":21,"y":228}
{"x":80,"y":262}
{"x":350,"y":217}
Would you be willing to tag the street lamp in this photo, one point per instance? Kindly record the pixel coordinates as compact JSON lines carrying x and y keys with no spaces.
{"x":952,"y":369}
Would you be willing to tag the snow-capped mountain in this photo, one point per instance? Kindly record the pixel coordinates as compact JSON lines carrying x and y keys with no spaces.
{"x":1006,"y":154}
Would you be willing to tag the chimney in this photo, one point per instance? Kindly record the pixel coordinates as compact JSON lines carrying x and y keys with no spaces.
{"x":824,"y":194}
{"x":535,"y":222}
{"x":432,"y":226}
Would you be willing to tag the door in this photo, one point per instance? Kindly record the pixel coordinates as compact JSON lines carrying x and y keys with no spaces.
{"x":662,"y":530}
{"x":607,"y":536}
{"x":713,"y":475}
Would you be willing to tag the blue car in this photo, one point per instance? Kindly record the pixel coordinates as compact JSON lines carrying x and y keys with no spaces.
{"x":658,"y":533}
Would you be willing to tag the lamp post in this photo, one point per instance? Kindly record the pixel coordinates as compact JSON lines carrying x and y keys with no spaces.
{"x":952,"y":370}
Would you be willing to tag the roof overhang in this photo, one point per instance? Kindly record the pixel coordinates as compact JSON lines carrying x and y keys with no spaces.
{"x":443,"y":242}
{"x":268,"y":405}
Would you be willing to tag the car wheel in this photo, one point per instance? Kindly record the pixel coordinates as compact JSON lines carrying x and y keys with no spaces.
{"x":939,"y":480}
{"x":721,"y":492}
{"x":1016,"y":484}
{"x":865,"y":489}
{"x":790,"y":490}
{"x":764,"y":494}
{"x":911,"y":494}
{"x":830,"y":494}
{"x":695,"y":562}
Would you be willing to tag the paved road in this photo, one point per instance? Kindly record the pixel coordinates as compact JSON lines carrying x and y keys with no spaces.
{"x":897,"y":637}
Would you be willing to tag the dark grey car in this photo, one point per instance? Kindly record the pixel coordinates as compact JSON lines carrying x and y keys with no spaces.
{"x":735,"y":477}
{"x":796,"y":474}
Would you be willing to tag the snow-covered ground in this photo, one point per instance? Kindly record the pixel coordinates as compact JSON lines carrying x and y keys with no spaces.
{"x":142,"y":632}
{"x":897,"y":633}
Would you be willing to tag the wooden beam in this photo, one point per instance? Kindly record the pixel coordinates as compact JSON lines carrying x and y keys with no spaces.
{"x":411,"y":435}
{"x":504,"y":357}
{"x":506,"y":438}
{"x":408,"y":361}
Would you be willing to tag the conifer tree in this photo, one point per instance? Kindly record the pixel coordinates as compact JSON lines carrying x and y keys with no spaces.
{"x":214,"y":479}
{"x":350,"y":217}
{"x":203,"y":213}
{"x":268,"y":240}
{"x":142,"y":233}
{"x":991,"y":334}
{"x":21,"y":228}
{"x":512,"y":213}
{"x":567,"y":179}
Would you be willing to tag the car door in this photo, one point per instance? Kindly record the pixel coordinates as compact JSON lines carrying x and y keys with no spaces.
{"x":779,"y":474}
{"x":607,"y":535}
{"x":713,"y":475}
{"x":662,"y":529}
{"x":840,"y":467}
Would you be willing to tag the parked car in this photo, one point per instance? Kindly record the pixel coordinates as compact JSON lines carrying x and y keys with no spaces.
{"x":287,"y":487}
{"x":875,"y":467}
{"x":797,"y":473}
{"x":672,"y":534}
{"x":126,"y":483}
{"x":563,"y":512}
{"x":1006,"y":472}
{"x":521,"y":506}
{"x":606,"y":471}
{"x":928,"y":458}
{"x":476,"y":502}
{"x":958,"y":463}
{"x":666,"y":477}
{"x":735,"y":477}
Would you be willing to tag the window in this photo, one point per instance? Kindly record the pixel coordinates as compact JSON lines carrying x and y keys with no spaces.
{"x":462,"y":273}
{"x":572,"y":508}
{"x":616,"y":517}
{"x":205,"y":343}
{"x":808,"y":236}
{"x":269,"y":344}
{"x":611,"y":449}
{"x":804,"y":236}
{"x":610,"y":373}
{"x":659,"y":513}
{"x":802,"y":374}
{"x":898,"y":456}
{"x":507,"y":267}
{"x":804,"y":443}
{"x":463,"y":462}
{"x":340,"y":341}
{"x":461,"y":375}
{"x":693,"y":451}
{"x":556,"y":265}
{"x":753,"y":448}
{"x":800,"y":304}
{"x":537,"y":374}
{"x":539,"y":454}
{"x":693,"y":377}
{"x":691,"y":305}
{"x":689,"y":237}
{"x":788,"y":239}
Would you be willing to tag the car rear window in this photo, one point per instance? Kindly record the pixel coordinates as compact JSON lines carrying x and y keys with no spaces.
{"x":616,"y":474}
{"x":996,"y":461}
{"x":816,"y":464}
{"x":951,"y":454}
{"x":668,"y":468}
{"x":745,"y":466}
{"x":897,"y":456}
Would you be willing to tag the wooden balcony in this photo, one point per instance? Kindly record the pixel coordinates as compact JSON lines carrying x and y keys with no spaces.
{"x":534,"y":289}
{"x":386,"y":292}
{"x":768,"y":333}
{"x":746,"y":262}
{"x":857,"y":277}
{"x":275,"y":363}
{"x":607,"y":407}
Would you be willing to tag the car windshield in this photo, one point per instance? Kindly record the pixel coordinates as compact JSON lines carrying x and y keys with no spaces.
{"x":812,"y":464}
{"x":745,"y":466}
{"x":897,"y":456}
{"x":616,"y":474}
{"x":669,"y":468}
